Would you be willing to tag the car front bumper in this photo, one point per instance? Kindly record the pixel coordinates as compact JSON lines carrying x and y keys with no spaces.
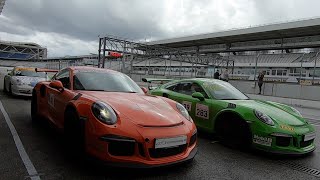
{"x":135,"y":146}
{"x":21,"y":90}
{"x":281,"y":142}
{"x":139,"y":165}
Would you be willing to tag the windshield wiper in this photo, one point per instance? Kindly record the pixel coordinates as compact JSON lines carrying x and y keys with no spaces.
{"x":91,"y":89}
{"x":231,"y":99}
{"x":234,"y":99}
{"x":129,"y":91}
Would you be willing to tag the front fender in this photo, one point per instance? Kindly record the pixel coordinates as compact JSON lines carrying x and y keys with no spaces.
{"x":229,"y":111}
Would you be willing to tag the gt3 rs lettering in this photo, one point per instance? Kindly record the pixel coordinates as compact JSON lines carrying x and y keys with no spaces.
{"x":187,"y":105}
{"x":202,"y":111}
{"x":265,"y":141}
{"x":286,"y":127}
{"x":51,"y":99}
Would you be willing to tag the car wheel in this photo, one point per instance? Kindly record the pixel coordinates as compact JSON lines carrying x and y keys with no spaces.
{"x":34,"y":107}
{"x":4,"y":85}
{"x":74,"y":134}
{"x":234,"y":132}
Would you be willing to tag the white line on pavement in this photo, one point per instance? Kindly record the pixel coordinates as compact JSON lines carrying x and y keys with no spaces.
{"x":22,"y":152}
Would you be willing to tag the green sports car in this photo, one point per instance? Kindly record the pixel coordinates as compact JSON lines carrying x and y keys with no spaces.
{"x":217,"y":107}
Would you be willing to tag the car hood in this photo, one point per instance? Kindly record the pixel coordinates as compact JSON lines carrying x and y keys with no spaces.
{"x":139,"y":108}
{"x":28,"y":79}
{"x":279,"y":114}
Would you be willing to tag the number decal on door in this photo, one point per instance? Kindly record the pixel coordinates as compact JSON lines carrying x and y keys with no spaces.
{"x":187,"y":105}
{"x":51,"y":99}
{"x":202,"y":111}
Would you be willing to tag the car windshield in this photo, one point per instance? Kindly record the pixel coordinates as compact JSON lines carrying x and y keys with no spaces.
{"x":105,"y":81}
{"x":224,"y":91}
{"x":30,"y":73}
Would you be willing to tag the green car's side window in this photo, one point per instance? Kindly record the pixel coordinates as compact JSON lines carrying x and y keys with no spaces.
{"x":173,"y":87}
{"x":189,"y":88}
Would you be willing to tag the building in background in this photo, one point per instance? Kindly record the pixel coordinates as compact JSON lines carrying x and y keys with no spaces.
{"x":21,"y":51}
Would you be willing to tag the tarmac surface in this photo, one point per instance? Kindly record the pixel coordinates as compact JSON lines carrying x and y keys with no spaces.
{"x":44,"y":146}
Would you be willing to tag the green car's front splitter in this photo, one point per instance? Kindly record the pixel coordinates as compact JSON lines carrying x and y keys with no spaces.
{"x":284,"y":143}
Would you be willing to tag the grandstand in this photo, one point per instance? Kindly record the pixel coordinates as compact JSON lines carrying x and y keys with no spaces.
{"x":21,"y":51}
{"x":287,"y":52}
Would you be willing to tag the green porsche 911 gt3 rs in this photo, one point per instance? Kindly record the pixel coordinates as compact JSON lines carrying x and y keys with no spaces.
{"x":218,"y":107}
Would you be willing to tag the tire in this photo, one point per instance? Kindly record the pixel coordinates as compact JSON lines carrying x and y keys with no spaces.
{"x":234,"y":132}
{"x":4,"y":85}
{"x":34,"y":107}
{"x":74,"y":132}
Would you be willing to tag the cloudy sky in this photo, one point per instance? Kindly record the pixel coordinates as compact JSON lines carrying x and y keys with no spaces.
{"x":71,"y":27}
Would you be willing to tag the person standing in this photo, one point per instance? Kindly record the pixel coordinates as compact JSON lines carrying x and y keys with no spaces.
{"x":216,"y":74}
{"x":225,"y":75}
{"x":260,"y":80}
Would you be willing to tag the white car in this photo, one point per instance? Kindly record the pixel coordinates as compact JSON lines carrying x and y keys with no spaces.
{"x":21,"y":80}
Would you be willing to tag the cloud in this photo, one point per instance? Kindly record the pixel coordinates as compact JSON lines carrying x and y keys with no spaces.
{"x":72,"y":27}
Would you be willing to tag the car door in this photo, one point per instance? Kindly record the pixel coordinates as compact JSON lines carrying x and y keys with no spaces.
{"x":198,"y":110}
{"x":57,"y":100}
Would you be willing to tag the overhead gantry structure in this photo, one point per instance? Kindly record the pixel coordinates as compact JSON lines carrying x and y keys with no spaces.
{"x":137,"y":52}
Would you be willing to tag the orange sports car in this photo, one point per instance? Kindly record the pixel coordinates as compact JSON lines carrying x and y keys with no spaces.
{"x":105,"y":114}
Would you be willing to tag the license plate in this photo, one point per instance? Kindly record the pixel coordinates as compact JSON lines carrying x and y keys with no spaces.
{"x":170,"y":142}
{"x":309,"y":136}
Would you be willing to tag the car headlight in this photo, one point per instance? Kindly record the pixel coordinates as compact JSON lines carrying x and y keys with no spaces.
{"x":104,"y":113}
{"x":264,"y":118}
{"x":296,"y":111}
{"x":183,"y":111}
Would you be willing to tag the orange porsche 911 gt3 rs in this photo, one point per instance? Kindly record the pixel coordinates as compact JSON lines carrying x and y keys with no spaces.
{"x":107,"y":115}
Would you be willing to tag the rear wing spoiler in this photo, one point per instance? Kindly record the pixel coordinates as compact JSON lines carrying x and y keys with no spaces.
{"x":161,"y":81}
{"x":155,"y":81}
{"x":46,"y":70}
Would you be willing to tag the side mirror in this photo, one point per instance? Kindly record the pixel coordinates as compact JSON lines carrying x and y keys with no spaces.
{"x":145,"y":90}
{"x":198,"y":96}
{"x":57,"y":85}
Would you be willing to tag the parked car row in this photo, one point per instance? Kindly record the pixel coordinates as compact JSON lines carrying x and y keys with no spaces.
{"x":105,"y":114}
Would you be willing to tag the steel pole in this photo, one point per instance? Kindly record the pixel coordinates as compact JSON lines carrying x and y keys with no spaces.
{"x":255,"y":70}
{"x":180,"y":69}
{"x":123,"y":58}
{"x":170,"y":67}
{"x":232,"y":66}
{"x":104,"y":51}
{"x":301,"y":67}
{"x":192,"y":70}
{"x":99,"y":55}
{"x":165,"y":67}
{"x":314,"y":68}
{"x":149,"y":69}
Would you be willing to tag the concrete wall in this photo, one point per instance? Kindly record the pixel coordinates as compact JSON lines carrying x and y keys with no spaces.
{"x":290,"y":94}
{"x":285,"y":90}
